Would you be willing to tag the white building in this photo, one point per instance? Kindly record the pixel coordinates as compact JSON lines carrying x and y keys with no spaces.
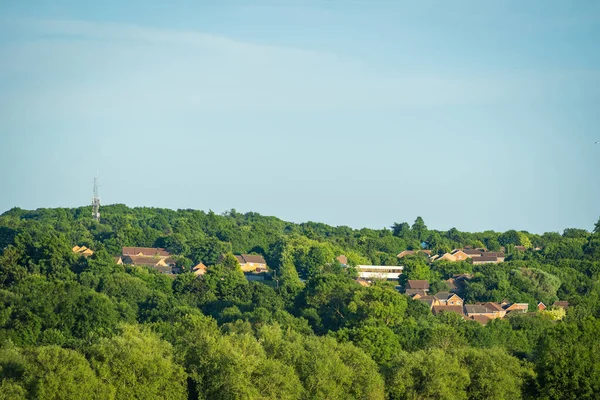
{"x":387,"y":272}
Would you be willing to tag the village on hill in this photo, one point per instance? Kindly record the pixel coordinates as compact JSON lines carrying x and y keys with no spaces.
{"x":255,"y":268}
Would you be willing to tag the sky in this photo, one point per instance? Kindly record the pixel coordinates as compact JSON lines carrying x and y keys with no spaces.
{"x":478,"y":115}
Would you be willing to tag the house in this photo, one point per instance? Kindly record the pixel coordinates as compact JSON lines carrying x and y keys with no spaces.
{"x":462,"y":276}
{"x":414,"y":292}
{"x":516,"y":307}
{"x":451,"y":282}
{"x":429,"y":300}
{"x":199,"y":269}
{"x":446,"y":257}
{"x":448,"y":299}
{"x":146,"y":251}
{"x":418,"y":284}
{"x":84,"y":251}
{"x":162,"y":265}
{"x":471,"y":253}
{"x":485,"y":259}
{"x":118,"y":260}
{"x":459,"y":255}
{"x":148,"y":261}
{"x":249,"y":262}
{"x":412,"y":253}
{"x":481,"y":318}
{"x":385,"y":272}
{"x":363,"y":282}
{"x":343,"y":260}
{"x":520,"y":248}
{"x":541,"y":306}
{"x":498,"y":254}
{"x":495,"y":310}
{"x":561,"y":304}
{"x":476,"y":309}
{"x":437,"y":309}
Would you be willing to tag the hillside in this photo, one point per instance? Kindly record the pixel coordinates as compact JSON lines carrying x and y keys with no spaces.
{"x":85,"y":326}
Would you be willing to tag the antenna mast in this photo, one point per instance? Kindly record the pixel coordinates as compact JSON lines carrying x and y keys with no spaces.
{"x":96,"y":201}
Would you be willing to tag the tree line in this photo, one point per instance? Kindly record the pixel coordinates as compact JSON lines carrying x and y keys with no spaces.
{"x":76,"y":327}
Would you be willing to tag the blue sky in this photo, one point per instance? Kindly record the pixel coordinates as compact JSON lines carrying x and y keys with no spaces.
{"x":475,"y":115}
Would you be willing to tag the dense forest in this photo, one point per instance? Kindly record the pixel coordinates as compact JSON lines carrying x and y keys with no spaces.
{"x":73,"y":327}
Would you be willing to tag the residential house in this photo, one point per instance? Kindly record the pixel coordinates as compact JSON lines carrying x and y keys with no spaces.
{"x":516,"y":308}
{"x":437,"y":309}
{"x":363,"y":282}
{"x":199,"y":269}
{"x":561,"y":304}
{"x":385,"y":272}
{"x":485,"y":259}
{"x":451,"y":282}
{"x":462,"y":276}
{"x":448,"y":299}
{"x":498,"y":254}
{"x":412,"y":253}
{"x":476,"y":309}
{"x":249,"y":262}
{"x":481,"y":318}
{"x":118,"y":260}
{"x":472,"y":253}
{"x":541,"y":306}
{"x":429,"y":300}
{"x":162,"y":265}
{"x":414,"y":292}
{"x":146,"y":251}
{"x":495,"y":310}
{"x":417,"y":286}
{"x":84,"y":251}
{"x":446,"y":257}
{"x":460,"y":255}
{"x":343,"y":260}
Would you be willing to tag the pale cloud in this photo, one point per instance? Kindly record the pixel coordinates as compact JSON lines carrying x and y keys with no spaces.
{"x":90,"y":68}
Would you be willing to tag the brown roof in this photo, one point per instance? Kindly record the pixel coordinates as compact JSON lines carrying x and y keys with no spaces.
{"x":411,"y":292}
{"x":521,"y":248}
{"x":563,"y":304}
{"x":493,"y":306}
{"x":472,"y":252}
{"x":494,"y":254}
{"x":141,"y":260}
{"x":417,"y":284}
{"x":483,"y":259}
{"x":456,"y":309}
{"x":342,"y":259}
{"x":482,"y":319}
{"x":145,"y":251}
{"x":251,"y":258}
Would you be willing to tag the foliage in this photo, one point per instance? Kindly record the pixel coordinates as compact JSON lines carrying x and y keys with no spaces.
{"x":76,"y":327}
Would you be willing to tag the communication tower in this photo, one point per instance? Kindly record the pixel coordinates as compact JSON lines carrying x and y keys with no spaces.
{"x":96,"y":202}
